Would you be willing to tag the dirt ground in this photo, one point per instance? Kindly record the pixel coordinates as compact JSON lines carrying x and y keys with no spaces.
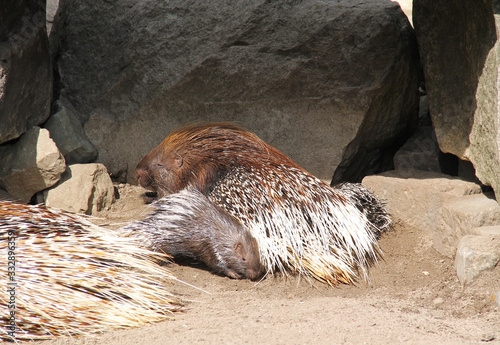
{"x":414,"y":297}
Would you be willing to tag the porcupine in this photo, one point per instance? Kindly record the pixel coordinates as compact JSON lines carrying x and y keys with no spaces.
{"x":300,"y":223}
{"x":68,"y":276}
{"x":187,"y":224}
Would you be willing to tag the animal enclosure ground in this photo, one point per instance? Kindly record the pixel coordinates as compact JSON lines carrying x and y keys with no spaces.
{"x":414,"y":298}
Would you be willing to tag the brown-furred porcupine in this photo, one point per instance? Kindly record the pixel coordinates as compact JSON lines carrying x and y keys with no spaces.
{"x":300,"y":223}
{"x":187,"y":224}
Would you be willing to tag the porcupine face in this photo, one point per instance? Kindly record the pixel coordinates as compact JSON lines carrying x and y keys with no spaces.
{"x":158,"y":171}
{"x":236,"y":250}
{"x":200,"y":154}
{"x":244,"y":260}
{"x":187,"y":224}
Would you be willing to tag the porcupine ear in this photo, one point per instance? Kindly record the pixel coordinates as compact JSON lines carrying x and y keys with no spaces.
{"x":176,"y":160}
{"x":238,"y":249}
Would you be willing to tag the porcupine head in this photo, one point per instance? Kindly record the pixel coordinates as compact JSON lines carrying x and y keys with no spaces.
{"x":187,"y":224}
{"x":186,"y":157}
{"x":214,"y":237}
{"x":237,"y":256}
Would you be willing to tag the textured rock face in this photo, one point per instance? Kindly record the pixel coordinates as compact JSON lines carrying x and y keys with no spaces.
{"x":484,"y":150}
{"x":25,"y":69}
{"x":459,"y":217}
{"x":460,"y":58}
{"x":420,"y":152}
{"x":329,"y":83}
{"x":416,"y":197}
{"x":68,"y":134}
{"x":476,"y":254}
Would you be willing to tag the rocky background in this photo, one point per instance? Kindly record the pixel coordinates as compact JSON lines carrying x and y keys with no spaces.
{"x":346,"y":88}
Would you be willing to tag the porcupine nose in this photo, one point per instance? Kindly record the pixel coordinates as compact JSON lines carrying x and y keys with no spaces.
{"x":254,"y":273}
{"x":141,"y":176}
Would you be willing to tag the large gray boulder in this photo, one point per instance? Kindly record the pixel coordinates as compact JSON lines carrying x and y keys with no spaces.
{"x":460,"y":56}
{"x":329,"y":83}
{"x":25,"y":67}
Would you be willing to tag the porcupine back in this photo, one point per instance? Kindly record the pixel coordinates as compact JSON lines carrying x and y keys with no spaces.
{"x":300,"y":223}
{"x":75,"y":278}
{"x":187,"y":224}
{"x":367,"y":202}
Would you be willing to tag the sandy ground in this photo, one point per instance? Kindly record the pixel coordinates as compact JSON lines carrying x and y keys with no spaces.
{"x":414,"y":298}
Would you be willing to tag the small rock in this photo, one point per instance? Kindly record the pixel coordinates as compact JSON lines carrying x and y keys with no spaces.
{"x":487,"y":337}
{"x":476,"y":254}
{"x":84,"y":188}
{"x":423,"y":111}
{"x":438,"y":300}
{"x":67,"y":132}
{"x":493,"y":230}
{"x":31,"y":164}
{"x":497,"y":299}
{"x":51,"y":9}
{"x":458,"y":217}
{"x":425,"y":273}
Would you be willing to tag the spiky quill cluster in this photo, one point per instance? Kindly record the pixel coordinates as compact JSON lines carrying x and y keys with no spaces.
{"x":75,"y":278}
{"x":367,"y":202}
{"x":324,"y":236}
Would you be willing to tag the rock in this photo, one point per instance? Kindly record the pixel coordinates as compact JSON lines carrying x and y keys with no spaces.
{"x":460,"y":57}
{"x":51,"y":9}
{"x":5,"y":196}
{"x":493,"y":230}
{"x":30,"y":165}
{"x":476,"y":254}
{"x":332,"y":84}
{"x":68,"y":134}
{"x":438,"y":300}
{"x":466,"y":171}
{"x":406,"y":6}
{"x":458,"y":217}
{"x":424,"y":117}
{"x":420,"y":152}
{"x":484,"y":150}
{"x":414,"y":197}
{"x":25,"y":67}
{"x":84,"y":188}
